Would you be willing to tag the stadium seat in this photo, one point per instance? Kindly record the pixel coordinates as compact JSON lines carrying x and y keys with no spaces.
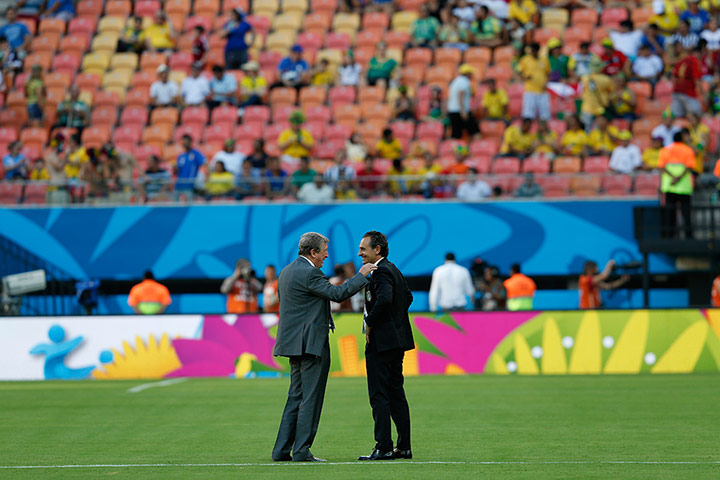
{"x":228,"y":5}
{"x":616,"y":185}
{"x":307,"y":40}
{"x":312,"y":96}
{"x":368,"y":94}
{"x":597,"y":164}
{"x":449,"y":57}
{"x":95,"y":136}
{"x":567,"y":165}
{"x":283,"y":96}
{"x":36,"y":135}
{"x":89,"y":8}
{"x":170,"y":153}
{"x":217,"y":134}
{"x":492,"y":128}
{"x":44,"y":59}
{"x":584,"y":17}
{"x":118,"y":8}
{"x":369,"y":132}
{"x":137,"y":96}
{"x":146,"y":8}
{"x":338,"y":41}
{"x":577,"y":34}
{"x":49,"y":42}
{"x":585,"y":185}
{"x":554,"y":185}
{"x":375,"y":112}
{"x":647,"y":184}
{"x":341,"y":95}
{"x":266,"y":8}
{"x":641,"y":16}
{"x":505,"y":165}
{"x":295,"y":6}
{"x":88,"y":81}
{"x":74,"y":45}
{"x":82,"y":25}
{"x":484,"y":147}
{"x":128,"y":134}
{"x":338,"y":132}
{"x":112,"y":25}
{"x":326,"y":6}
{"x":10,"y":193}
{"x":195,"y":116}
{"x":281,"y":113}
{"x":502,"y":73}
{"x":317,"y":23}
{"x":396,"y":39}
{"x":252,"y":131}
{"x":151,"y":60}
{"x":402,"y":21}
{"x":613,"y":16}
{"x":503,"y":55}
{"x":51,"y":25}
{"x":317,"y":113}
{"x":327,"y":150}
{"x":346,"y":114}
{"x":105,"y":98}
{"x":135,"y":115}
{"x":418,"y":56}
{"x":95,"y":62}
{"x":105,"y":116}
{"x":259,"y":113}
{"x":538,"y":165}
{"x":167,"y":116}
{"x":343,"y":22}
{"x":180,"y":61}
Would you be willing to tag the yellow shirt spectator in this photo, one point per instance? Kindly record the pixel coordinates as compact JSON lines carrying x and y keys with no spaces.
{"x":75,"y":162}
{"x":547,"y":142}
{"x":600,"y":141}
{"x":535,"y":72}
{"x":295,"y":149}
{"x":253,"y":86}
{"x":220,"y":183}
{"x":399,"y":186}
{"x":389,"y":150}
{"x":495,"y":103}
{"x":41,"y":175}
{"x":699,"y":137}
{"x":159,"y":35}
{"x":520,"y":141}
{"x":574,"y":141}
{"x":522,"y":10}
{"x":650,"y":157}
{"x":322,"y":78}
{"x":597,"y":89}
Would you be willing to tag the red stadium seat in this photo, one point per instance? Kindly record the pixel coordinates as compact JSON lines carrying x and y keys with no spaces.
{"x":128,"y":134}
{"x":224,"y":114}
{"x":596,"y":164}
{"x":506,"y":165}
{"x":195,"y":116}
{"x":252,"y":131}
{"x":337,"y":132}
{"x":341,"y":95}
{"x":272,"y":132}
{"x":447,"y":147}
{"x":317,"y":113}
{"x":554,"y":185}
{"x":146,"y":8}
{"x":433,"y":130}
{"x":647,"y":184}
{"x":281,"y":113}
{"x":537,"y":165}
{"x":585,"y":185}
{"x":218,"y":133}
{"x":484,"y":147}
{"x":616,"y":184}
{"x":567,"y":165}
{"x":95,"y":136}
{"x":339,"y":41}
{"x":257,"y":113}
{"x":83,"y":25}
{"x":422,"y":56}
{"x":194,"y":131}
{"x":105,"y":116}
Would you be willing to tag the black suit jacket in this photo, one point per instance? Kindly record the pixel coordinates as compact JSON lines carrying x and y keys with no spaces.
{"x":387,"y":304}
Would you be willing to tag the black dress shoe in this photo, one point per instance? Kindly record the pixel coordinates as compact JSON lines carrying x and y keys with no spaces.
{"x":284,"y":458}
{"x":312,"y":458}
{"x":406,"y":454}
{"x":378,"y":454}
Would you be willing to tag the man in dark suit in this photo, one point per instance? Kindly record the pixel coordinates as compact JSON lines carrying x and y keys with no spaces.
{"x":389,"y":336}
{"x":302,"y":336}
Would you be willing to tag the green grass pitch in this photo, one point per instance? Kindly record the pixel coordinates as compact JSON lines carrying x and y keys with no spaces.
{"x":523,"y":427}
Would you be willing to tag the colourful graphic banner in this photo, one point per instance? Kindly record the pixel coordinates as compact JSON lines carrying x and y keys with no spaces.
{"x":501,"y":343}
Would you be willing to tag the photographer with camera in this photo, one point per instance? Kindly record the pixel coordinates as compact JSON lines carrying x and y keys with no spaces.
{"x":591,"y":282}
{"x":241,"y":289}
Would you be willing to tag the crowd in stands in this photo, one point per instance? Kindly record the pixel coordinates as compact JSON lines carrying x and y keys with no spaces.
{"x":352,"y":99}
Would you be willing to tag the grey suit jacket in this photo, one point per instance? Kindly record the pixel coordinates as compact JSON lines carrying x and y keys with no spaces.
{"x":305,"y":296}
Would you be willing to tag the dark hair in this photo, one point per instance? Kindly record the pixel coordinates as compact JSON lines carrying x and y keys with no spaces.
{"x":484,"y":9}
{"x":386,"y":132}
{"x":148,"y":275}
{"x":450,"y":256}
{"x":217,"y":68}
{"x":199,"y":28}
{"x":338,"y":269}
{"x":76,"y":138}
{"x":534,"y":46}
{"x":378,"y":239}
{"x":585,"y":45}
{"x":627,"y":23}
{"x":515,"y":268}
{"x":678,"y":137}
{"x":588,"y":264}
{"x":187,"y":136}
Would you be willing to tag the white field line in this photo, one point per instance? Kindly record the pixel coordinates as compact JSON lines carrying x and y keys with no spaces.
{"x":400,"y":462}
{"x":163,"y":383}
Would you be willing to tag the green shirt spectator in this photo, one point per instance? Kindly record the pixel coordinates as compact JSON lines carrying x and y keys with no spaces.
{"x":381,"y":67}
{"x":558,"y":62}
{"x":304,"y":174}
{"x":73,"y":112}
{"x":425,"y":29}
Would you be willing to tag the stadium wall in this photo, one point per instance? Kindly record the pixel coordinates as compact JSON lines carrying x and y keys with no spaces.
{"x":529,"y":343}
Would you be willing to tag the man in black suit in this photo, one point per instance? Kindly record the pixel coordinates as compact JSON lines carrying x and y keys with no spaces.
{"x":389,"y":336}
{"x":302,"y":336}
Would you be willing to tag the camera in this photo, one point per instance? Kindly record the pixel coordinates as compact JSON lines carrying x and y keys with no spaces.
{"x":620,"y":269}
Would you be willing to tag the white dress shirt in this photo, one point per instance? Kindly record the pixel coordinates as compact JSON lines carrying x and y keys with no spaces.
{"x":311,"y":193}
{"x":233,"y":161}
{"x":625,"y":159}
{"x":473,"y":191}
{"x":194,"y":90}
{"x":450,"y":286}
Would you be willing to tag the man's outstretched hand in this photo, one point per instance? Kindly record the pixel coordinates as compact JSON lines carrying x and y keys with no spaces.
{"x":367,"y":268}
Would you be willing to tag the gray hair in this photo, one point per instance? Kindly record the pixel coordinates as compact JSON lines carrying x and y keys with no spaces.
{"x":311,"y":241}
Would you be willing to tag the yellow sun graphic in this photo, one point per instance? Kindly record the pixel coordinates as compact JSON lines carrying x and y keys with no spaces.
{"x":151,"y":361}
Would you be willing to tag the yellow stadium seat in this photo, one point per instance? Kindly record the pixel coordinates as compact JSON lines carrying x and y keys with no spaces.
{"x":96,"y":62}
{"x":265,"y":8}
{"x":120,"y":90}
{"x":111,"y":25}
{"x":555,"y":16}
{"x":120,"y":78}
{"x":86,"y":96}
{"x":402,"y":21}
{"x":299,"y":6}
{"x":333,"y":56}
{"x":396,"y":54}
{"x":346,"y":21}
{"x":287,"y":21}
{"x":177,"y":76}
{"x":105,"y":43}
{"x":280,"y":41}
{"x":124,"y":61}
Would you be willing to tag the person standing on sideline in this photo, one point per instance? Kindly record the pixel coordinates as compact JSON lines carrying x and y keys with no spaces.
{"x":450,"y":286}
{"x":241,"y":289}
{"x":271,"y":303}
{"x":676,"y":182}
{"x":592,"y":281}
{"x":520,"y":290}
{"x":388,"y":336}
{"x":149,"y":297}
{"x":460,"y":94}
{"x":302,"y":336}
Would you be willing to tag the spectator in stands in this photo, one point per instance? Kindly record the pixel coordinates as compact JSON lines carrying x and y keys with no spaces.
{"x":436,"y":107}
{"x":597,"y":90}
{"x":62,"y":9}
{"x":56,"y":162}
{"x":651,"y":154}
{"x":397,"y":185}
{"x":699,"y":139}
{"x":15,"y":163}
{"x":525,"y":12}
{"x":75,"y":157}
{"x":666,"y":19}
{"x":242,"y":288}
{"x":653,"y":39}
{"x":73,"y":112}
{"x":349,"y":72}
{"x":381,"y":67}
{"x":271,"y":301}
{"x":304,"y":174}
{"x":276,"y":184}
{"x":460,"y":167}
{"x":603,"y":138}
{"x":708,"y":62}
{"x":200,"y":45}
{"x":429,"y":172}
{"x":295,"y":142}
{"x":159,"y":36}
{"x":339,"y":170}
{"x":520,"y":290}
{"x":473,"y":189}
{"x":248,"y":182}
{"x":220,"y":182}
{"x":39,"y":171}
{"x":623,"y":99}
{"x":236,"y":31}
{"x":253,"y":86}
{"x":529,"y":188}
{"x":459,"y":111}
{"x":558,"y":61}
{"x":626,"y":39}
{"x":339,"y":278}
{"x":494,"y":102}
{"x":17,"y":33}
{"x":614,"y":62}
{"x":492,"y":290}
{"x":574,"y":141}
{"x":677,"y":162}
{"x":35,"y":95}
{"x":316,"y":191}
{"x":452,"y":35}
{"x":666,"y":130}
{"x":231,"y":159}
{"x":450,"y":286}
{"x":487,"y":29}
{"x":388,"y":147}
{"x":223,"y":88}
{"x":320,"y":74}
{"x":518,"y":141}
{"x":355,"y":148}
{"x":464,"y":12}
{"x":345,"y":190}
{"x":711,"y":34}
{"x":149,"y":297}
{"x":579,"y":62}
{"x":195,"y":88}
{"x":424,"y":30}
{"x":696,"y":17}
{"x":293,"y":70}
{"x":156,"y":183}
{"x":98,"y":175}
{"x":534,"y":71}
{"x":647,"y":66}
{"x":370,"y":179}
{"x":131,"y":41}
{"x":626,"y":157}
{"x":546,"y":143}
{"x":687,"y":87}
{"x":404,"y":105}
{"x":684,"y":36}
{"x":258,"y":157}
{"x":187,"y":169}
{"x":591,"y":282}
{"x":122,"y":165}
{"x":11,"y":62}
{"x":163,"y":91}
